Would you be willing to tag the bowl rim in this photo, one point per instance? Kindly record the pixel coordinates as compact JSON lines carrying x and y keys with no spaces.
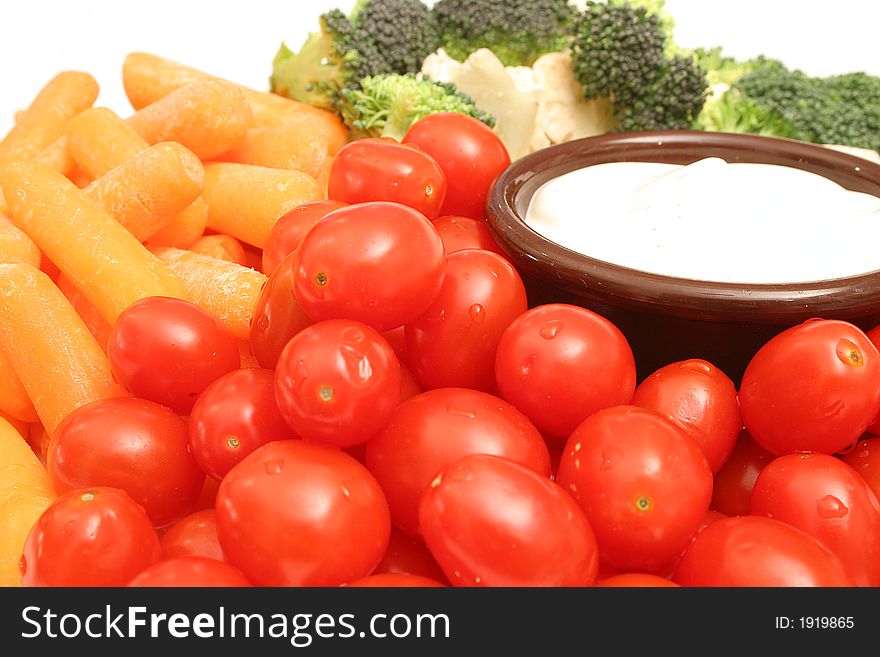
{"x":583,"y":275}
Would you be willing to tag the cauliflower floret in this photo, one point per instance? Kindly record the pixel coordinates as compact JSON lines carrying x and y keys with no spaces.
{"x":440,"y":67}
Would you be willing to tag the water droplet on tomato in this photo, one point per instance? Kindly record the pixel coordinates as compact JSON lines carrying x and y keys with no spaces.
{"x":461,"y":412}
{"x":274,"y":466}
{"x":831,"y":507}
{"x":699,"y":366}
{"x":477,"y":313}
{"x":551,"y":329}
{"x":345,"y":492}
{"x":610,"y":457}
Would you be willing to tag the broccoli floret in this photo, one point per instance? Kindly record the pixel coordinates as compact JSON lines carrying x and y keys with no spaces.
{"x":388,"y":105}
{"x":620,"y":53}
{"x":517,"y":31}
{"x":721,"y":69}
{"x":404,"y":31}
{"x":335,"y":57}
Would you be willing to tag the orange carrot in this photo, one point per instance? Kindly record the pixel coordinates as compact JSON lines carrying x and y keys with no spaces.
{"x":225,"y":289}
{"x":25,"y":492}
{"x":145,"y":192}
{"x":246,"y":201}
{"x":58,"y":361}
{"x":15,"y":245}
{"x":99,"y":140}
{"x":101,"y":258}
{"x":57,"y":156}
{"x":23,"y":428}
{"x":185,"y":228}
{"x":223,"y":247}
{"x":98,"y":326}
{"x":14,"y":400}
{"x":208,"y":117}
{"x":62,"y":98}
{"x":282,"y":147}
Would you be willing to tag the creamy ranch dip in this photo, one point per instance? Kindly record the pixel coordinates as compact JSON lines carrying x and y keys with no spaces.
{"x":712,"y":221}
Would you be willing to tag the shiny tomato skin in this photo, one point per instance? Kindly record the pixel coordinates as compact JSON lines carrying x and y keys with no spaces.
{"x":636,"y":580}
{"x":490,"y":521}
{"x":453,"y":343}
{"x":96,"y":536}
{"x":459,"y":233}
{"x":643,"y":483}
{"x":194,"y":535}
{"x":701,"y":399}
{"x":296,"y":513}
{"x":824,"y":497}
{"x":190,"y":572}
{"x":756,"y":551}
{"x":812,"y":388}
{"x":395,"y":580}
{"x":431,"y":430}
{"x":560,"y":363}
{"x":382,"y":169}
{"x":337,"y":382}
{"x":169,"y":350}
{"x":408,"y":555}
{"x":378,"y":263}
{"x":732,"y":490}
{"x":865,"y":459}
{"x":468,"y":152}
{"x":232,"y":417}
{"x":132,"y":444}
{"x":287,"y":233}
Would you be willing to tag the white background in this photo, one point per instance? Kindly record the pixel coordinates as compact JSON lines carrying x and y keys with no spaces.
{"x":237,"y":39}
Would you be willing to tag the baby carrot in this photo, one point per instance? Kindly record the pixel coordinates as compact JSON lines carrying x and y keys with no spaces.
{"x":57,"y":156}
{"x":208,"y":117}
{"x":14,"y":400}
{"x":145,"y":192}
{"x":282,"y":147}
{"x":185,"y":228}
{"x":246,"y":200}
{"x":45,"y":120}
{"x":225,"y":289}
{"x":100,"y":140}
{"x":223,"y":247}
{"x":15,"y":245}
{"x":98,"y":326}
{"x":105,"y":262}
{"x":25,"y":492}
{"x":59,"y":363}
{"x":24,"y":428}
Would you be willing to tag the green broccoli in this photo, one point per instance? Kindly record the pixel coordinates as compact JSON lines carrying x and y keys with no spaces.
{"x":387,"y":105}
{"x":517,"y":31}
{"x":404,"y":31}
{"x":621,"y":53}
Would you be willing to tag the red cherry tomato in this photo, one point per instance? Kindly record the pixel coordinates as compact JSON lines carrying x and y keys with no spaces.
{"x":378,"y":263}
{"x":701,"y":399}
{"x":643,"y":483}
{"x":825,"y":497}
{"x":89,"y":537}
{"x":395,"y":580}
{"x":732,"y":491}
{"x":636,"y":580}
{"x":468,"y":152}
{"x":410,"y":556}
{"x":431,"y":430}
{"x":559,"y":364}
{"x":812,"y":388}
{"x":453,"y":343}
{"x":758,"y":552}
{"x":459,"y":233}
{"x":232,"y":417}
{"x":337,"y":382}
{"x":132,"y":444}
{"x":169,"y":350}
{"x":296,"y":513}
{"x":385,"y":170}
{"x":194,"y":535}
{"x":490,"y":521}
{"x":190,"y":572}
{"x":865,"y":459}
{"x":286,"y":235}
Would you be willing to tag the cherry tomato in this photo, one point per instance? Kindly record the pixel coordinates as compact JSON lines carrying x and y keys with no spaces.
{"x":431,"y":430}
{"x":865,"y":459}
{"x":410,"y":556}
{"x":756,"y":551}
{"x":286,"y":235}
{"x":812,"y":388}
{"x":490,"y":521}
{"x":701,"y":399}
{"x":277,"y":316}
{"x":468,"y":152}
{"x":642,"y":481}
{"x":337,"y":382}
{"x":459,"y":233}
{"x":381,"y":169}
{"x":296,"y":513}
{"x":232,"y":417}
{"x":874,"y":337}
{"x":826,"y":498}
{"x":194,"y":535}
{"x":453,"y":343}
{"x":378,"y":263}
{"x":169,"y":350}
{"x":89,"y":537}
{"x":395,"y":580}
{"x":559,"y":364}
{"x":732,"y":490}
{"x":636,"y":580}
{"x":190,"y":572}
{"x":132,"y":444}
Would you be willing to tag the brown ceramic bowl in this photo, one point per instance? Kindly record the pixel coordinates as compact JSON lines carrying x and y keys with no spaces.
{"x":664,"y":318}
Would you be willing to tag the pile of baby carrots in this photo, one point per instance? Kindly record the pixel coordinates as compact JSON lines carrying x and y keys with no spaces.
{"x":98,"y":211}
